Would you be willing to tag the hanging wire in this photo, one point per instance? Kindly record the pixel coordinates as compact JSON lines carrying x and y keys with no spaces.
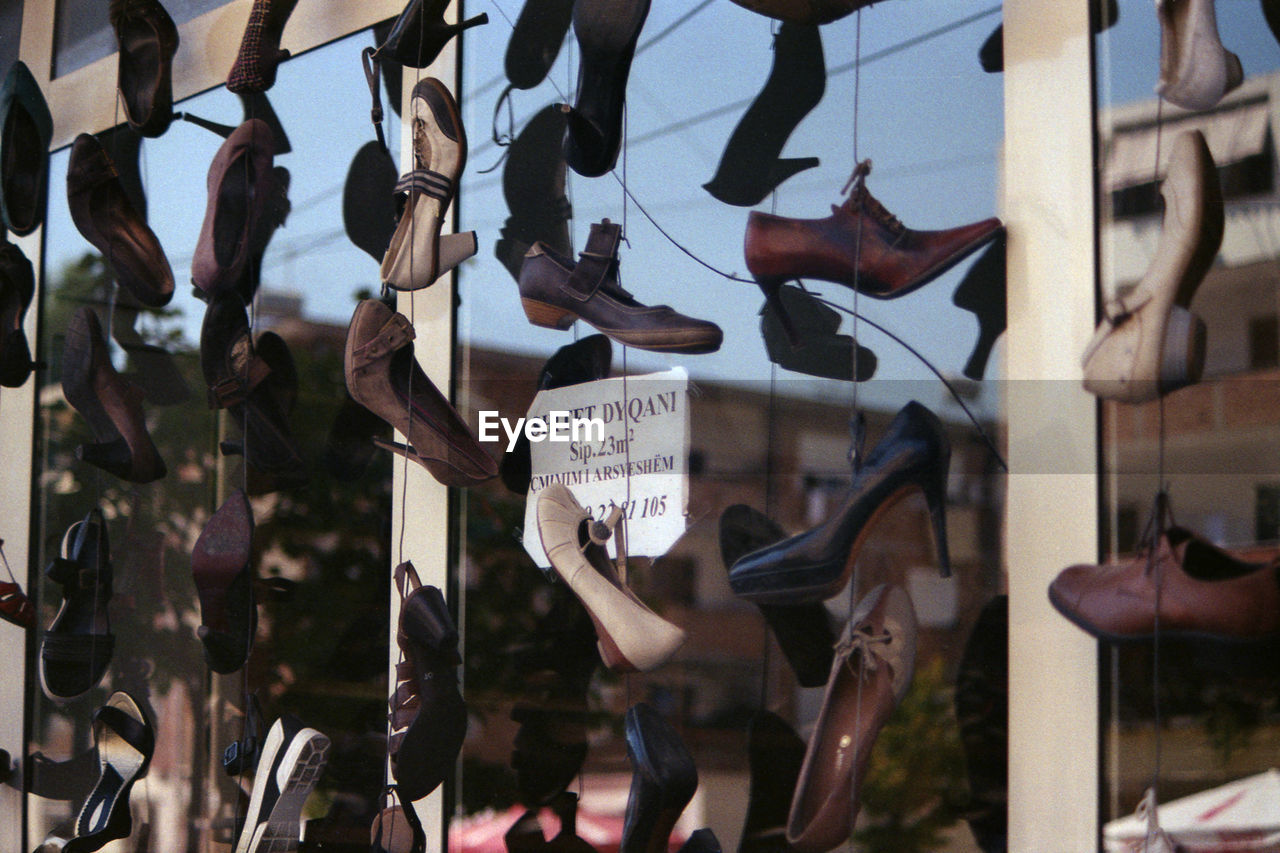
{"x":1158,"y":527}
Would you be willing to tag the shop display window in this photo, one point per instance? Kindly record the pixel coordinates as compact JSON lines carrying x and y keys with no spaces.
{"x":1190,"y":707}
{"x":84,"y":35}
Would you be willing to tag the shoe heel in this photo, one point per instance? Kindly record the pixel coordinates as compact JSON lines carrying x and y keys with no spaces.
{"x":1182,"y":357}
{"x":934,"y":486}
{"x":547,"y":316}
{"x":478,"y":20}
{"x":114,"y":457}
{"x":771,"y":288}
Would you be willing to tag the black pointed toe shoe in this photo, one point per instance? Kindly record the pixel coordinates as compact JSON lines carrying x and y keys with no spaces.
{"x":914,"y":454}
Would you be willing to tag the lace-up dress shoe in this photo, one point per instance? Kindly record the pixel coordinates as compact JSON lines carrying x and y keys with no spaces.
{"x":148,"y":39}
{"x":383,"y":376}
{"x":26,"y":128}
{"x":103,"y":214}
{"x":1200,"y":591}
{"x":892,"y":260}
{"x":874,"y":663}
{"x":554,"y":292}
{"x":1149,"y":343}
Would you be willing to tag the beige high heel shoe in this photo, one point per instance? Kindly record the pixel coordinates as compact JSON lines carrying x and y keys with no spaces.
{"x":632,"y":638}
{"x":1195,"y":69}
{"x":1149,"y":343}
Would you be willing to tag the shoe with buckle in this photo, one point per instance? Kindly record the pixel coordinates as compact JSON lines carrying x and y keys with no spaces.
{"x":1150,"y":344}
{"x":383,"y":375}
{"x":632,"y":638}
{"x":861,"y":245}
{"x":555,"y":292}
{"x":871,"y":673}
{"x":77,"y":648}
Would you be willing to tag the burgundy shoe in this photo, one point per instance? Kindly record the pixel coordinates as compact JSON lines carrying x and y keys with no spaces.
{"x":892,"y":261}
{"x":220,"y":564}
{"x":240,"y":185}
{"x":111,"y":405}
{"x":1199,"y":590}
{"x":148,"y":39}
{"x":260,"y":54}
{"x":103,"y":214}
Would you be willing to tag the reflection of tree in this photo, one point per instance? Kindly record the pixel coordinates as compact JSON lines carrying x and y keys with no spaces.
{"x":321,"y":651}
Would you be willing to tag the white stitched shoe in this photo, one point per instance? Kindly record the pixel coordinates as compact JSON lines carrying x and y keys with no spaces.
{"x":1195,"y":69}
{"x":631,"y":636}
{"x":1149,"y":343}
{"x":292,"y":759}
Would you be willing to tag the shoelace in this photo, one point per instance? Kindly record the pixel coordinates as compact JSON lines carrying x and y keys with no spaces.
{"x":861,"y":197}
{"x":864,"y":642}
{"x":1156,"y":839}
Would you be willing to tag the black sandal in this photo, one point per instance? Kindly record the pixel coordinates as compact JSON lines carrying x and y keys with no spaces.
{"x":77,"y":648}
{"x":125,"y":741}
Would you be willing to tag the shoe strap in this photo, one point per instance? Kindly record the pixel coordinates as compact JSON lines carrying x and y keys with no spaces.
{"x":596,"y":262}
{"x":70,"y":573}
{"x":137,"y":734}
{"x":372,"y":62}
{"x":426,"y":182}
{"x":233,"y":390}
{"x":394,"y":334}
{"x":77,"y":648}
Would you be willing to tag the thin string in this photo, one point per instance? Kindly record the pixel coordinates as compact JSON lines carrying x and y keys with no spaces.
{"x":626,"y":507}
{"x":857,"y":89}
{"x":5,"y":559}
{"x":1158,"y":528}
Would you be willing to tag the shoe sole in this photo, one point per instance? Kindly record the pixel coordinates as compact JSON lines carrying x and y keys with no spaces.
{"x":692,"y":342}
{"x":303,"y":762}
{"x":1131,"y":639}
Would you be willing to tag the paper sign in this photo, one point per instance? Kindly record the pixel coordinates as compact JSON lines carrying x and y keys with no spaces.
{"x":632,"y":451}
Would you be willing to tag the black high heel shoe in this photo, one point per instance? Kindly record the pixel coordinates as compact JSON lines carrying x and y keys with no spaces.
{"x":535,"y":41}
{"x":815,"y":565}
{"x":983,"y":292}
{"x":751,"y":168}
{"x":607,"y":33}
{"x":663,"y":781}
{"x":420,"y":33}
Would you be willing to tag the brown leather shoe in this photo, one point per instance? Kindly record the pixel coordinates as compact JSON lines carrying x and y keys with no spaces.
{"x":872,"y":670}
{"x":805,"y":11}
{"x":148,"y":39}
{"x":384,"y":377}
{"x":1203,"y":592}
{"x":105,"y":217}
{"x":111,"y":405}
{"x":892,"y":261}
{"x":554,"y":292}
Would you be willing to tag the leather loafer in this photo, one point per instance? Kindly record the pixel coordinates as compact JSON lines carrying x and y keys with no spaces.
{"x":1201,"y":592}
{"x":103,"y":214}
{"x":554,"y":292}
{"x":26,"y":128}
{"x":383,"y":376}
{"x":874,"y":663}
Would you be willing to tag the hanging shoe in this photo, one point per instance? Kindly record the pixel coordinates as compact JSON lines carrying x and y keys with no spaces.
{"x":413,"y":258}
{"x":607,"y":32}
{"x":872,"y":672}
{"x":1150,"y":344}
{"x":147,"y":39}
{"x":239,"y":184}
{"x":420,"y":33}
{"x":555,"y":292}
{"x":368,"y":200}
{"x":425,"y":753}
{"x":803,"y":631}
{"x":535,"y":42}
{"x":632,"y":637}
{"x":383,"y":375}
{"x":982,"y":291}
{"x":243,"y":381}
{"x":663,"y":781}
{"x":260,"y":54}
{"x":26,"y":129}
{"x":861,"y":245}
{"x":15,"y":607}
{"x":396,"y":828}
{"x":805,"y":11}
{"x":584,"y":360}
{"x":774,"y":756}
{"x":111,"y":406}
{"x":17,"y":287}
{"x":549,"y":750}
{"x":77,"y":648}
{"x":750,"y":167}
{"x":821,"y":351}
{"x":125,"y":740}
{"x":982,"y":715}
{"x":1198,"y":591}
{"x":223,"y":572}
{"x":1195,"y":69}
{"x":103,"y":214}
{"x":533,"y":183}
{"x":293,"y":758}
{"x":914,"y":453}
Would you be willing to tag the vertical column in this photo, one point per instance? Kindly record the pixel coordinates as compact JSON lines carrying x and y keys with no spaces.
{"x":1053,"y":485}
